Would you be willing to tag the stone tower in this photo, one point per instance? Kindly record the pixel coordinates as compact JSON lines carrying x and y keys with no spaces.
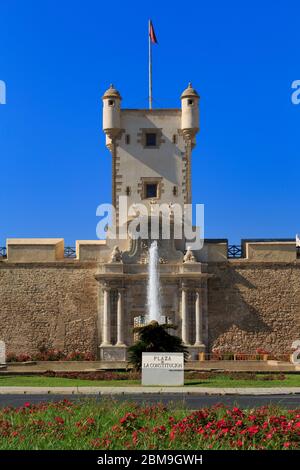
{"x":151,"y":149}
{"x":151,"y":153}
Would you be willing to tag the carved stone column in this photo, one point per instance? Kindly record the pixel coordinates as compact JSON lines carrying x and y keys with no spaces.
{"x":184,"y":315}
{"x":120,"y":318}
{"x":106,"y":317}
{"x":198,"y":319}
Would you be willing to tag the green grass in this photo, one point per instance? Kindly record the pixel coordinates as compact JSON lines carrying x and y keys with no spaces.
{"x":291,"y":380}
{"x":39,"y":381}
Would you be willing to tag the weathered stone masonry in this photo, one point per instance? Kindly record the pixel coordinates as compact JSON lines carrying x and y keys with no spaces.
{"x":254,"y":305}
{"x":58,"y":305}
{"x":52,"y":304}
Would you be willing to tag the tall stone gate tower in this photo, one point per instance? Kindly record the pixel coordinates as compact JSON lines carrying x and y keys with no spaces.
{"x":151,"y":153}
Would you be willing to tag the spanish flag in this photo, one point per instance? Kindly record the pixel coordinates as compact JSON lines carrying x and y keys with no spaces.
{"x":152,"y":33}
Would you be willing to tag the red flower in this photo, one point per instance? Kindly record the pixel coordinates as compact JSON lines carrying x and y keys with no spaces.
{"x":59,"y":420}
{"x":252,"y":418}
{"x":221,"y":423}
{"x":96,"y":442}
{"x":158,"y":429}
{"x":90,"y":421}
{"x":225,"y":430}
{"x":253,"y":429}
{"x":128,"y":418}
{"x":236,"y":410}
{"x":135,"y":437}
{"x":115,"y":428}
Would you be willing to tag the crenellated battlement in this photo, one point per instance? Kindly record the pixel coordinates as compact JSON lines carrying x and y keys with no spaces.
{"x":34,"y":250}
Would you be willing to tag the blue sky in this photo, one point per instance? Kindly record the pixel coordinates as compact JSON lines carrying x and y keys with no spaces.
{"x":57,"y":58}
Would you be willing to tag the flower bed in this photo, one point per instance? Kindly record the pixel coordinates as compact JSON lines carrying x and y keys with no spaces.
{"x":258,"y":355}
{"x":51,"y":355}
{"x":97,"y":375}
{"x":193,"y":375}
{"x":113,"y":425}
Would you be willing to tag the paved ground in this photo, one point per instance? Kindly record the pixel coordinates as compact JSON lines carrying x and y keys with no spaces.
{"x":132,"y":390}
{"x":189,"y":401}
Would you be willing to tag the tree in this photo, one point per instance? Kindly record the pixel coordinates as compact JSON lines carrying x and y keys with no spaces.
{"x":154,"y":338}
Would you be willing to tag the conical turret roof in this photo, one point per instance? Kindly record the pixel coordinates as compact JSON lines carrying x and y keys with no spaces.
{"x":189,"y":92}
{"x":112,"y":92}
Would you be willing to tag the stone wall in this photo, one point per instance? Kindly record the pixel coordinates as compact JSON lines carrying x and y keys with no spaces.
{"x":254,"y":305}
{"x":50,"y":304}
{"x":251,"y":305}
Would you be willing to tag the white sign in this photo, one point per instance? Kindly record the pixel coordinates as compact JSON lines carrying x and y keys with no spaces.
{"x":162,"y":369}
{"x":2,"y":353}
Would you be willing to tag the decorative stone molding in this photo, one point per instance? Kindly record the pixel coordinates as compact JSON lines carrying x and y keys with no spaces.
{"x":189,"y":140}
{"x":115,"y":353}
{"x":189,"y":256}
{"x":113,"y":138}
{"x":116,"y":256}
{"x":148,"y":180}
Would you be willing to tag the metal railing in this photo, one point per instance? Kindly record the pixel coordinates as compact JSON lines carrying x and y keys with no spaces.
{"x":70,"y":252}
{"x":234,"y":251}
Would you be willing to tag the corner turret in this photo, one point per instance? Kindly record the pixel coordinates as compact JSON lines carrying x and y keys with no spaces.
{"x":190,"y":112}
{"x":111,"y":112}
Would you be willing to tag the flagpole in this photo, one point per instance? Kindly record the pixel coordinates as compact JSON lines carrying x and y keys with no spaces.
{"x":150,"y":68}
